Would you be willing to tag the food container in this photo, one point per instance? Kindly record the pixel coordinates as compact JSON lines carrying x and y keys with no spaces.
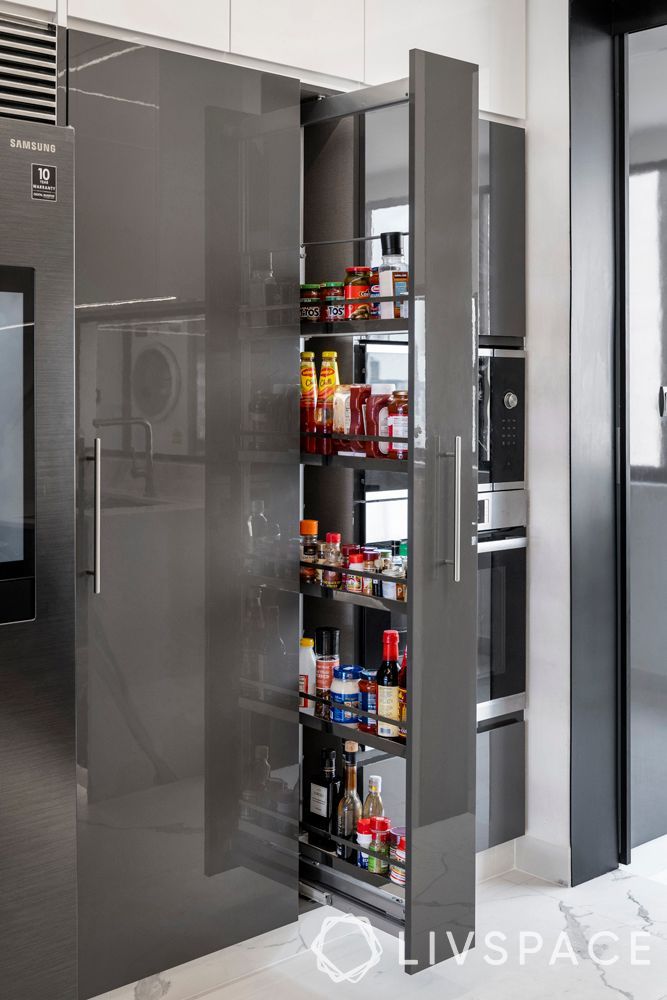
{"x":310,"y":303}
{"x":377,"y":417}
{"x":352,"y":581}
{"x":357,"y":291}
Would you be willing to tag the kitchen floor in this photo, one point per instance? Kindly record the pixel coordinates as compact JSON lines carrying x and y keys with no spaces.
{"x":555,"y":926}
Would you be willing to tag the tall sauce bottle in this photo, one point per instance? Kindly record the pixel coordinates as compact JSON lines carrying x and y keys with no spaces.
{"x":387,"y":683}
{"x":308,"y":402}
{"x":329,"y":379}
{"x":403,"y":696}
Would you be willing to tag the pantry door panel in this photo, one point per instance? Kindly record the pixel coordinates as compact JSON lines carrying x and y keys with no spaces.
{"x":440,"y":892}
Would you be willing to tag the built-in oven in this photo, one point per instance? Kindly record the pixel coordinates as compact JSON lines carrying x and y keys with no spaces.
{"x":501,"y":599}
{"x":501,"y":418}
{"x":17,"y":469}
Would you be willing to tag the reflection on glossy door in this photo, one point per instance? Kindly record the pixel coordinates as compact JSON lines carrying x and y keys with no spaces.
{"x":187,"y":216}
{"x":647,"y":426}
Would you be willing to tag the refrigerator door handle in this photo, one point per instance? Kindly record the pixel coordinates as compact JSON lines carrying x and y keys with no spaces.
{"x":95,"y":572}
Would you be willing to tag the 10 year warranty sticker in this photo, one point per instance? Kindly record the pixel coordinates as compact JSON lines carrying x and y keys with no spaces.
{"x":44,"y":182}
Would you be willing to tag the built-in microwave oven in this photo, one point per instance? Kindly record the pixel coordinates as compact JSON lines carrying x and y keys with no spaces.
{"x":501,"y":418}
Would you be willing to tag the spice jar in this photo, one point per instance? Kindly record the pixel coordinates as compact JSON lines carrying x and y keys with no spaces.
{"x":397,"y":868}
{"x":352,"y":581}
{"x":310,"y":303}
{"x":364,"y":840}
{"x":368,"y":699}
{"x":380,"y":844}
{"x":332,"y":557}
{"x":397,"y":423}
{"x":368,"y":585}
{"x":308,"y":550}
{"x":357,"y":291}
{"x":346,"y":551}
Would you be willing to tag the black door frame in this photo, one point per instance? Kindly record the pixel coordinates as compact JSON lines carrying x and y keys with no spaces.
{"x":600,"y":806}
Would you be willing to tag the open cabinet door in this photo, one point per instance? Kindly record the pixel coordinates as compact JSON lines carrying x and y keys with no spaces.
{"x":442,"y":519}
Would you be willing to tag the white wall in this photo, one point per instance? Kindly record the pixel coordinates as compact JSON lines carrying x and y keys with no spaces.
{"x":545,"y":849}
{"x":337,"y":43}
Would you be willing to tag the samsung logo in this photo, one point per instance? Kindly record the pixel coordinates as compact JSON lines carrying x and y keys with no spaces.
{"x":40,"y":147}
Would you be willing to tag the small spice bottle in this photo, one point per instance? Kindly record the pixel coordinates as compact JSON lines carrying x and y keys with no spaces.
{"x":352,"y":581}
{"x":332,"y":558}
{"x":397,"y":869}
{"x":308,"y":549}
{"x":364,"y":840}
{"x":380,"y":843}
{"x":368,"y":585}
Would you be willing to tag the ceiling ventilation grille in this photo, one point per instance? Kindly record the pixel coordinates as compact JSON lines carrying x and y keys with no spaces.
{"x":28,"y":70}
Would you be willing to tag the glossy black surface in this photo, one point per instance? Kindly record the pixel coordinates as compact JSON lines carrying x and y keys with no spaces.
{"x":501,"y":622}
{"x":37,"y":735}
{"x":502,"y":230}
{"x":187,"y":352}
{"x":501,"y":422}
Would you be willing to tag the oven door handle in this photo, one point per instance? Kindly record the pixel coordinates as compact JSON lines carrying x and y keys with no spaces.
{"x":95,"y":572}
{"x":502,"y":545}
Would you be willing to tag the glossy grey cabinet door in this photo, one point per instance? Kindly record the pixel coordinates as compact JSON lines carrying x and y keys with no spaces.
{"x":502,"y":231}
{"x":187,"y":337}
{"x":442,"y":634}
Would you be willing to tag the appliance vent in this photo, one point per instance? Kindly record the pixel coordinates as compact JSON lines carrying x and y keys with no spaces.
{"x":28,"y":70}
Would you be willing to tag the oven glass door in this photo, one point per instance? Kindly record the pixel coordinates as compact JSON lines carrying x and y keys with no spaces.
{"x":17,"y":493}
{"x":501,"y":614}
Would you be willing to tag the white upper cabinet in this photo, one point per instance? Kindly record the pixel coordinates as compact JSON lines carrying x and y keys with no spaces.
{"x":199,"y":22}
{"x":38,"y":8}
{"x":315,"y":35}
{"x":491,"y":33}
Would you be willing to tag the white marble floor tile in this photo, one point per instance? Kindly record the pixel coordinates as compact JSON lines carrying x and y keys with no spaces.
{"x":281,"y":964}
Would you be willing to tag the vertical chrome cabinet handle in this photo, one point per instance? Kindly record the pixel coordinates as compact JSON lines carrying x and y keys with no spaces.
{"x":457,"y":509}
{"x":97,"y":516}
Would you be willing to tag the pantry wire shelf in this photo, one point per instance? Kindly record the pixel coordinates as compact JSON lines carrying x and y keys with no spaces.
{"x":353,"y":571}
{"x":352,"y":845}
{"x":360,"y":600}
{"x":355,"y":461}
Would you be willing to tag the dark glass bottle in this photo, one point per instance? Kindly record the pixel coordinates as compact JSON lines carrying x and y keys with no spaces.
{"x":387,"y":682}
{"x":320,"y":802}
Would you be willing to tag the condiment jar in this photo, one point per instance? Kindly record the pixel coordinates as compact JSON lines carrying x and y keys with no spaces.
{"x":357,"y":287}
{"x":368,"y":699}
{"x":332,"y":302}
{"x":352,"y":581}
{"x":397,"y":423}
{"x":346,"y":551}
{"x":397,"y":868}
{"x":310,"y":303}
{"x":308,"y":549}
{"x":344,"y":695}
{"x":377,"y":417}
